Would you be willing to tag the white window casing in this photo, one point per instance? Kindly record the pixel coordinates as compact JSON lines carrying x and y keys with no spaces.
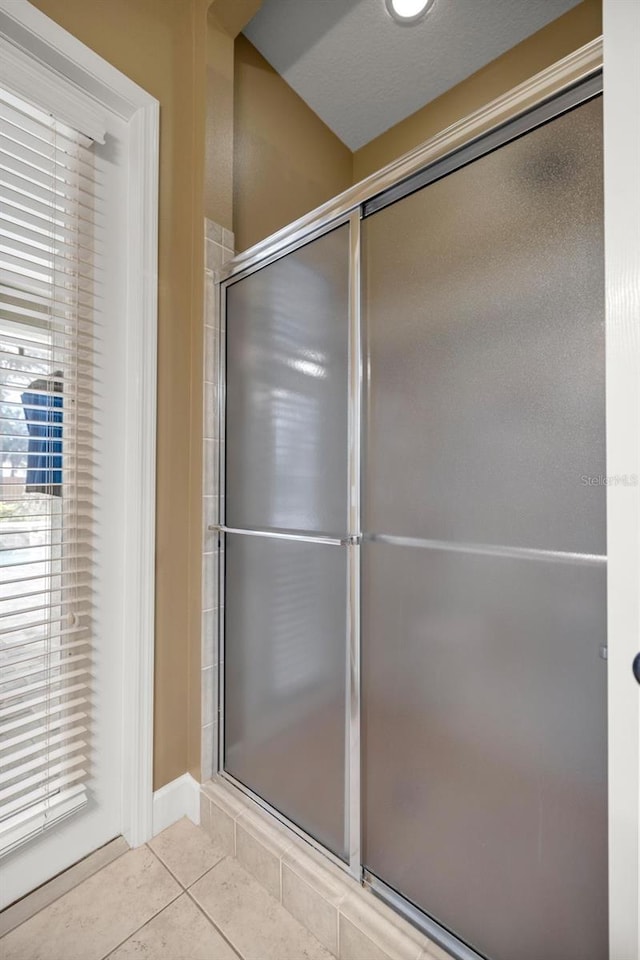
{"x":59,"y":97}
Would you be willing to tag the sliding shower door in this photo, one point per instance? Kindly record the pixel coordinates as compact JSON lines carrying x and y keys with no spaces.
{"x":286,"y":516}
{"x":448,"y":732}
{"x":484,"y":571}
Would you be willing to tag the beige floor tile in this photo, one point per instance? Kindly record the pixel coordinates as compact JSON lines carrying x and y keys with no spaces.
{"x":255,"y":923}
{"x":92,"y":919}
{"x":186,"y":850}
{"x":179,"y":932}
{"x":21,"y":911}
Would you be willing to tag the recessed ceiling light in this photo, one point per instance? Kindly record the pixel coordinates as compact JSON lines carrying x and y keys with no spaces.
{"x":409,"y":11}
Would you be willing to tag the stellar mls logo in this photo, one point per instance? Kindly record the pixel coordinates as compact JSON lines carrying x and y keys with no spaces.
{"x":614,"y":480}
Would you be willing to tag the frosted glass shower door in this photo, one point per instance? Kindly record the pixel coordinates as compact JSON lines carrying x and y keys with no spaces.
{"x":286,"y":500}
{"x":484,"y":571}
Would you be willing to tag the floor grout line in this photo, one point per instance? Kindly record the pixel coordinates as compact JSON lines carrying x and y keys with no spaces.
{"x":167,"y":868}
{"x":157,"y":913}
{"x":206,"y":915}
{"x":142,"y":925}
{"x":192,"y":898}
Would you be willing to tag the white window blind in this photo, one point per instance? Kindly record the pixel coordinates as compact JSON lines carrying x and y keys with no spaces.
{"x":48,"y":223}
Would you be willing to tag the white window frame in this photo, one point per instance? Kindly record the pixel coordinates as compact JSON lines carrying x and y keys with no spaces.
{"x":50,"y":45}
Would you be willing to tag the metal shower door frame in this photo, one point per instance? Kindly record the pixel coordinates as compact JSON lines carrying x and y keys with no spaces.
{"x":574,"y":80}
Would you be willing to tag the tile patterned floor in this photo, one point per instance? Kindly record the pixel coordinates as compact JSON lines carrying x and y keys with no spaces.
{"x":178,"y":898}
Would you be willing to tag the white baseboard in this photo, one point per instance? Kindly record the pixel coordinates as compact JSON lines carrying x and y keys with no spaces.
{"x":180,"y":798}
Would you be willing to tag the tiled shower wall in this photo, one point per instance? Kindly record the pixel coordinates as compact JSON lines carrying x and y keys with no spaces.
{"x":218,"y":249}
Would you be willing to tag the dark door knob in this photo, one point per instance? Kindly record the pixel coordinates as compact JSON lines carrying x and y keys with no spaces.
{"x":636,"y":667}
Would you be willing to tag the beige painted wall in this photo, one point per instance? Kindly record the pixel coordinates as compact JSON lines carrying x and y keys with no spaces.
{"x":218,"y":169}
{"x":286,"y":160}
{"x":161,"y":44}
{"x":559,"y":38}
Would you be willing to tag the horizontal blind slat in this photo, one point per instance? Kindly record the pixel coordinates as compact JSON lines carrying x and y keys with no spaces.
{"x":66,"y":358}
{"x":28,"y":189}
{"x":28,"y":654}
{"x":64,"y":539}
{"x":20,"y":222}
{"x":24,"y":623}
{"x":34,"y":169}
{"x":21,"y":828}
{"x":79,"y":237}
{"x":28,"y":736}
{"x":32,"y":365}
{"x":26,"y":670}
{"x":39,"y":277}
{"x":44,"y":758}
{"x":23,"y":579}
{"x":62,"y":590}
{"x":69,"y":318}
{"x":51,"y":786}
{"x":14,"y":140}
{"x":77,"y":556}
{"x":67,"y":305}
{"x":47,"y":256}
{"x":58,"y":680}
{"x":47,"y":168}
{"x":27,"y":703}
{"x":45,"y":134}
{"x":15,"y":228}
{"x":29,"y":779}
{"x":13,"y":198}
{"x":53,"y":621}
{"x":67,"y":736}
{"x":11,"y":726}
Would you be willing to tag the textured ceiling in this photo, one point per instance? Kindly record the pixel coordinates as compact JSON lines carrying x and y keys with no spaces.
{"x":362,"y":73}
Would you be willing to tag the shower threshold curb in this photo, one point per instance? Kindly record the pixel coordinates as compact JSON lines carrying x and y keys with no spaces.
{"x":344,"y":916}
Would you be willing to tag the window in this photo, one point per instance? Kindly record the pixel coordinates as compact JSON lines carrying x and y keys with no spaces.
{"x":49,"y":218}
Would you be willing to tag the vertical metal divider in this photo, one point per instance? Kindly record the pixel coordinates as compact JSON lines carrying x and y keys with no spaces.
{"x":353,"y":792}
{"x":221,"y":511}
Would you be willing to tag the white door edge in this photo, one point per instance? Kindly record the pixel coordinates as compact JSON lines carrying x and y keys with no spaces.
{"x":622,"y":268}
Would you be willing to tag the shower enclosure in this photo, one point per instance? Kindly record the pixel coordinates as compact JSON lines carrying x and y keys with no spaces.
{"x":414,"y":532}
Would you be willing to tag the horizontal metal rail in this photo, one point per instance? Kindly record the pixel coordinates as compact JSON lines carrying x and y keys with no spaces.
{"x":487,"y":549}
{"x":486,"y":143}
{"x":295,"y":535}
{"x":435,"y":931}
